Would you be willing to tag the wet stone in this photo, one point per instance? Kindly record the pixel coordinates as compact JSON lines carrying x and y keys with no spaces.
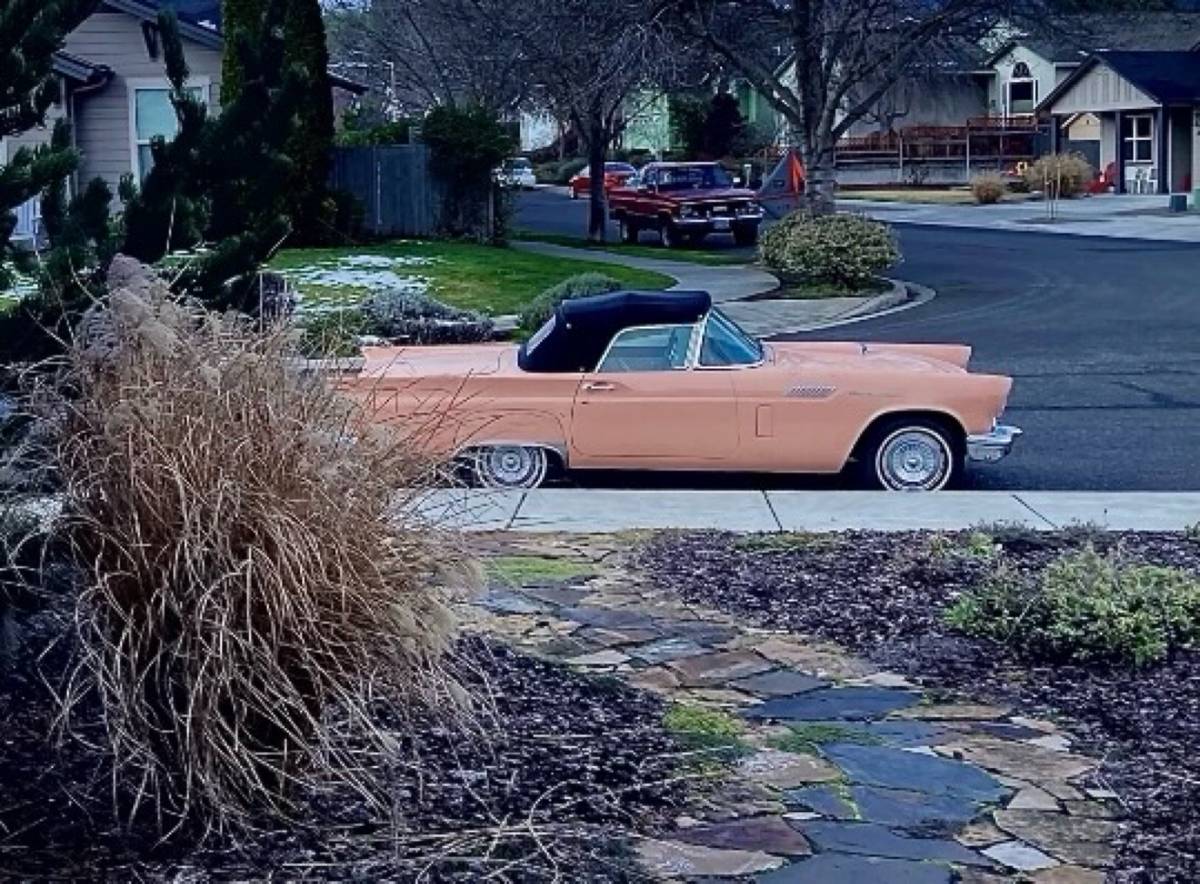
{"x":714,"y":669}
{"x":835,"y":868}
{"x":735,"y":799}
{"x":870,"y":839}
{"x":890,"y":768}
{"x":781,"y":683}
{"x":599,"y":658}
{"x":503,"y":601}
{"x":824,"y":800}
{"x":836,"y":704}
{"x":607,"y":618}
{"x":1006,"y":731}
{"x":914,"y":811}
{"x":981,"y":833}
{"x":770,"y":834}
{"x":666,"y":650}
{"x":673,"y":859}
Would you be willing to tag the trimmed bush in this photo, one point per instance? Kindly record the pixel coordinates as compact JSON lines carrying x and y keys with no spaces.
{"x":845,"y":250}
{"x":1062,"y":174}
{"x":1086,"y":607}
{"x":582,"y":285}
{"x":988,"y":188}
{"x":250,"y":587}
{"x":419,"y":319}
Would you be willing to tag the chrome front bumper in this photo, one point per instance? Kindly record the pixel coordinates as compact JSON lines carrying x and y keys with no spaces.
{"x":993,"y":446}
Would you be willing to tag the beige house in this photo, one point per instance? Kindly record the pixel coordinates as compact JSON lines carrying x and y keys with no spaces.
{"x":115,"y":93}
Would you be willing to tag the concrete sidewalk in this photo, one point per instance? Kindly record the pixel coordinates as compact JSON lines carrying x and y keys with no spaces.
{"x":1118,"y":217}
{"x":723,"y":282}
{"x":587,"y":511}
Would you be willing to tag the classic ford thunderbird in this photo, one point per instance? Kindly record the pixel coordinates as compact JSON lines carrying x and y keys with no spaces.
{"x":665,"y":381}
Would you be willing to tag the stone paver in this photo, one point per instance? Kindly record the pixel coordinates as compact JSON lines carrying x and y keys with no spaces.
{"x":851,"y":703}
{"x":670,"y":859}
{"x":842,"y":760}
{"x":786,"y":770}
{"x":909,"y":771}
{"x":1021,"y":857}
{"x":870,"y":839}
{"x":769,"y":834}
{"x":719,"y":668}
{"x":834,"y":868}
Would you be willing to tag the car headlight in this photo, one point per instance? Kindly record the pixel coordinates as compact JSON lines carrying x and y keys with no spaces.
{"x":687,"y":211}
{"x":747,"y":209}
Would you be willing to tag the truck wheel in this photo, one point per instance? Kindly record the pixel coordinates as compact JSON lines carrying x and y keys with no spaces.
{"x":628,"y":230}
{"x":574,"y":194}
{"x":909,"y":454}
{"x":669,"y":235}
{"x":745,"y":236}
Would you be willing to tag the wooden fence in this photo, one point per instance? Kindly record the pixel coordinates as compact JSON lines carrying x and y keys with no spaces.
{"x":393,"y":184}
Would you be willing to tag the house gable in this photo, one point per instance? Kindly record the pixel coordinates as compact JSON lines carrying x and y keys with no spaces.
{"x":1096,"y":89}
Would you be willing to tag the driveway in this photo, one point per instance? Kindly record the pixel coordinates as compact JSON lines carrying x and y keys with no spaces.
{"x":1101,"y":334}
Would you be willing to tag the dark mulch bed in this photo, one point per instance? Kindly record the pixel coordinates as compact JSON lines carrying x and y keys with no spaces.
{"x":883,"y":596}
{"x":568,"y":768}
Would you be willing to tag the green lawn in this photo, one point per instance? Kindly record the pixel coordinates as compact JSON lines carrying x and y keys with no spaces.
{"x":485,"y":278}
{"x":693,"y":254}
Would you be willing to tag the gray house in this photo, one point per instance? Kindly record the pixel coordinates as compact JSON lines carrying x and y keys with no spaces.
{"x":114,"y":89}
{"x":1147,"y":105}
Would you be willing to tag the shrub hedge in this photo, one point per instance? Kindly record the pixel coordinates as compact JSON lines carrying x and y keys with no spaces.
{"x":841,"y":249}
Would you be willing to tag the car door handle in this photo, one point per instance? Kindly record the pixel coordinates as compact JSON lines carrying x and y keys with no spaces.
{"x":599,"y":387}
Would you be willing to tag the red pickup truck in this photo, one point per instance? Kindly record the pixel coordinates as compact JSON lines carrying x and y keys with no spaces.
{"x":685,"y":202}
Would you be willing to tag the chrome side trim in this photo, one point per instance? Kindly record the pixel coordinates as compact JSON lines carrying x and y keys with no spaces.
{"x":993,"y":446}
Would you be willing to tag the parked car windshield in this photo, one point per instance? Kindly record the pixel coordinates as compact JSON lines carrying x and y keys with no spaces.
{"x":693,"y":178}
{"x":618,"y":167}
{"x":726,"y":345}
{"x":517,"y":165}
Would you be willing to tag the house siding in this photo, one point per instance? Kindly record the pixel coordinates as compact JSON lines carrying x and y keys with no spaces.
{"x":102,"y":124}
{"x":1102,"y":89}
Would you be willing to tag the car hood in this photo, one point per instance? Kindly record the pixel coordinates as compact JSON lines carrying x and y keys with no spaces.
{"x":448,"y":360}
{"x":719,"y":193}
{"x":917,"y":358}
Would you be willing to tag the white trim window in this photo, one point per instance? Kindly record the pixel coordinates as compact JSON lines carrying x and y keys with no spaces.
{"x":1137,"y":138}
{"x":1022,"y":90}
{"x":151,"y":115}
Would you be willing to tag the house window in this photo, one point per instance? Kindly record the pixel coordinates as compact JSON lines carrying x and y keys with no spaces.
{"x":1022,"y":90}
{"x":153,"y":116}
{"x":1137,"y":138}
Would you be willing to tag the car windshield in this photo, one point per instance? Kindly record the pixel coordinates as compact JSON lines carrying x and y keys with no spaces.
{"x":618,"y":167}
{"x":726,"y":345}
{"x":693,"y":178}
{"x":518,"y":165}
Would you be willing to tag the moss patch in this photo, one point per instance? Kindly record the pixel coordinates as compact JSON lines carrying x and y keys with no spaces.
{"x":520,"y":570}
{"x":788,"y":541}
{"x":701,"y":729}
{"x":807,"y":739}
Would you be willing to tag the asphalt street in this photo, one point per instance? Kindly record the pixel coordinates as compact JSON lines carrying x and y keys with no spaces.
{"x":1102,"y":337}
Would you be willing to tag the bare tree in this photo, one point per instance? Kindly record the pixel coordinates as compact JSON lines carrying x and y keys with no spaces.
{"x":590,"y":59}
{"x":826,"y":64}
{"x":434,"y":52}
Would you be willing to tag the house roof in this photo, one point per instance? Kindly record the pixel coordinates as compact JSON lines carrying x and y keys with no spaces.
{"x":1166,"y":77}
{"x":1074,"y":39}
{"x":200,"y":21}
{"x":80,"y":69}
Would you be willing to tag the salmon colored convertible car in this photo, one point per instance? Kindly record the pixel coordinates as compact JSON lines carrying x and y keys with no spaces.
{"x":665,"y":381}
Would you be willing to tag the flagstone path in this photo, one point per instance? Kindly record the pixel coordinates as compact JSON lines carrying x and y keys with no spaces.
{"x":839,"y":772}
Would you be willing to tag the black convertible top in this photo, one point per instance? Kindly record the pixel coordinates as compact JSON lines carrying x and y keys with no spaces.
{"x":577,"y":335}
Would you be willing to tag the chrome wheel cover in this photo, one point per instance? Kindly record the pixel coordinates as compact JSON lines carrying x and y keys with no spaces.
{"x":510,"y":466}
{"x":914,"y":459}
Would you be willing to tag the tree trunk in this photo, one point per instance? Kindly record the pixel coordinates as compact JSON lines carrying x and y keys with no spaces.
{"x":597,"y":205}
{"x":820,"y":169}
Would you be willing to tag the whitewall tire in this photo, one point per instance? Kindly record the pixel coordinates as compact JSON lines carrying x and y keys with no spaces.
{"x":509,"y":467}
